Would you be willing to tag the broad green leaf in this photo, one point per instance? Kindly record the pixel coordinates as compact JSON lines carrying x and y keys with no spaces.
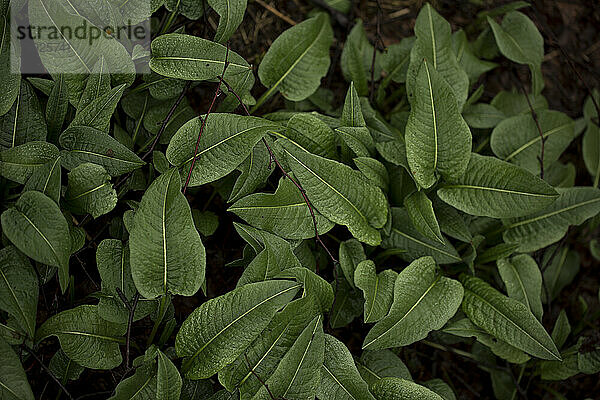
{"x":18,"y":288}
{"x":340,"y":379}
{"x":19,"y":163}
{"x":284,"y":212}
{"x":197,"y":390}
{"x":438,"y":140}
{"x":56,"y":108}
{"x":313,"y":134}
{"x":351,"y":254}
{"x":227,"y":140}
{"x":36,"y":226}
{"x":561,"y":330}
{"x":465,"y":328}
{"x":401,"y":389}
{"x":24,"y":121}
{"x":193,"y":58}
{"x":167,"y":254}
{"x":494,"y":188}
{"x":434,"y":44}
{"x":424,"y":300}
{"x":517,"y":139}
{"x":189,"y":8}
{"x":347,"y":306}
{"x":13,"y":381}
{"x":341,"y":194}
{"x":219,"y":331}
{"x":76,"y":54}
{"x":168,"y":380}
{"x":520,"y":41}
{"x":141,"y":385}
{"x":86,"y":338}
{"x":452,"y":222}
{"x":473,"y":66}
{"x":395,"y":61}
{"x":298,"y":374}
{"x":482,"y":116}
{"x":254,"y":172}
{"x":97,"y":114}
{"x":561,"y":269}
{"x":267,"y":350}
{"x":376,"y":364}
{"x":440,"y":387}
{"x":374,"y":170}
{"x":47,"y":180}
{"x":378,"y":289}
{"x":507,"y":319}
{"x":297,"y":60}
{"x":420,"y":211}
{"x":10,"y":60}
{"x":523,"y":280}
{"x":357,"y":57}
{"x":413,"y":244}
{"x":155,"y":115}
{"x":591,"y":151}
{"x":231,"y":13}
{"x":64,"y":368}
{"x":136,"y":11}
{"x":112,"y":259}
{"x":90,"y":191}
{"x":572,"y":207}
{"x":313,"y":285}
{"x":515,"y":103}
{"x":84,"y":144}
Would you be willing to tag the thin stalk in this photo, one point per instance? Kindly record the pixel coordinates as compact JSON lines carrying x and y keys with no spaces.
{"x":161,"y":314}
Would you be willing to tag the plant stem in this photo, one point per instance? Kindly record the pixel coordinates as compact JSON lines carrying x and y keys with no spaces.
{"x":161,"y":314}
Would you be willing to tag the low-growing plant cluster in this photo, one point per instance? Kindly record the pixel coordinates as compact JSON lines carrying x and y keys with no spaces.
{"x":411,"y":213}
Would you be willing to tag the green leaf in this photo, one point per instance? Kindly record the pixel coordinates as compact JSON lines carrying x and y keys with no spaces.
{"x":523,"y":280}
{"x":401,"y":389}
{"x":231,"y":13}
{"x":482,"y":116}
{"x":341,"y":194}
{"x":420,"y":212}
{"x":196,"y":59}
{"x":167,"y":254}
{"x":572,"y":207}
{"x":473,"y":66}
{"x":413,"y":244}
{"x":357,"y":57}
{"x":86,"y":338}
{"x":10,"y":60}
{"x":168,"y":380}
{"x":340,"y":379}
{"x":64,"y":368}
{"x":434,"y":44}
{"x":284,"y":212}
{"x":112,"y":259}
{"x":78,"y":53}
{"x":424,"y":300}
{"x":97,"y":114}
{"x":90,"y":191}
{"x":24,"y":121}
{"x":227,"y":140}
{"x":297,"y":60}
{"x":13,"y":381}
{"x":348,"y":304}
{"x":520,"y":41}
{"x":517,"y":139}
{"x":142,"y":384}
{"x":219,"y":331}
{"x":351,"y":254}
{"x":19,"y":163}
{"x":315,"y":286}
{"x":374,"y":170}
{"x":267,"y":350}
{"x":18,"y":288}
{"x":298,"y":374}
{"x":515,"y":103}
{"x":47,"y":180}
{"x":313,"y":134}
{"x":591,"y":151}
{"x":438,"y":140}
{"x":376,"y":364}
{"x":507,"y":319}
{"x":254,"y":172}
{"x":561,"y":269}
{"x":85,"y":144}
{"x":36,"y":226}
{"x":378,"y":289}
{"x":56,"y":108}
{"x":562,"y":329}
{"x":497,"y":189}
{"x":465,"y":328}
{"x":189,"y":8}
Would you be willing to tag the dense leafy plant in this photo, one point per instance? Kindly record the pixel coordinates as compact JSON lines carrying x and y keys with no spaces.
{"x":453,"y":211}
